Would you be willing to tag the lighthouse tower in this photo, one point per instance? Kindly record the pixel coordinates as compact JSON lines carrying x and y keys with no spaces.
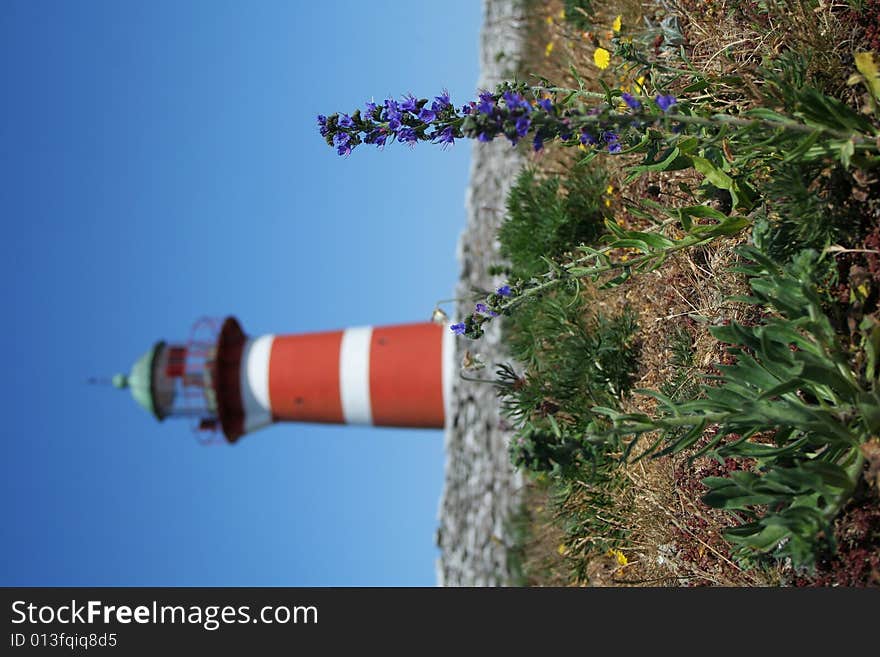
{"x":397,"y":376}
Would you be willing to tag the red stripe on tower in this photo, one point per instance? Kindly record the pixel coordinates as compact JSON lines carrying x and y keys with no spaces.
{"x":406,"y":375}
{"x":304,"y":377}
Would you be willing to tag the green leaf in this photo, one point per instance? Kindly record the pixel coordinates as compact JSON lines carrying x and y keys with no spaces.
{"x":847,"y":149}
{"x":696,"y":86}
{"x":871,"y":340}
{"x":765,"y":114}
{"x":803,"y":147}
{"x":576,"y":76}
{"x":671,"y":160}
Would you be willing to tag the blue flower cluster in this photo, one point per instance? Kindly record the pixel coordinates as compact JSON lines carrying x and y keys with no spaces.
{"x":483,"y":312}
{"x":507,"y":112}
{"x":409,"y":120}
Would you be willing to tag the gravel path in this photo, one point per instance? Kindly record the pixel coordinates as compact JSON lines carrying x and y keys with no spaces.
{"x":481,"y":488}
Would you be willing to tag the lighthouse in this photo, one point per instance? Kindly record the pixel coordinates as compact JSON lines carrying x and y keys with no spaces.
{"x":223,"y":379}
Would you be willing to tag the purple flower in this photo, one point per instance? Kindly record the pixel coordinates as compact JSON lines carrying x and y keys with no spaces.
{"x":487,"y":103}
{"x":483,"y":137}
{"x":504,"y":291}
{"x":546,"y":105}
{"x":522,"y":125}
{"x":410,"y":104}
{"x":483,"y":309}
{"x":631,"y":100}
{"x":587,"y":138}
{"x":345,"y":121}
{"x":459,"y":328}
{"x":322,"y":123}
{"x":614,"y":147}
{"x":441,"y":102}
{"x":377,"y":137}
{"x":341,"y":141}
{"x":470,"y":107}
{"x":515,"y":101}
{"x":427,"y":115}
{"x":445,"y":137}
{"x":370,"y":109}
{"x":407,"y":135}
{"x":537,"y":143}
{"x":665,"y":102}
{"x":392,"y":113}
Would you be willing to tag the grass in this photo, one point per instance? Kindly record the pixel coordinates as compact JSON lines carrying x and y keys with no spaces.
{"x":588,"y":518}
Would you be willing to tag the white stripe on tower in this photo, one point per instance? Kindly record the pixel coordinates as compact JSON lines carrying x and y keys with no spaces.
{"x":448,"y":367}
{"x":354,"y":375}
{"x":255,"y":383}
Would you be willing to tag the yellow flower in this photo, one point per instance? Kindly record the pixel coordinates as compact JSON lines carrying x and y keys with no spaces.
{"x":549,"y":20}
{"x":609,"y":189}
{"x":548,"y":49}
{"x":616,"y":24}
{"x":561,"y":14}
{"x":620,"y":556}
{"x":562,"y":549}
{"x":638,"y":85}
{"x":602,"y":58}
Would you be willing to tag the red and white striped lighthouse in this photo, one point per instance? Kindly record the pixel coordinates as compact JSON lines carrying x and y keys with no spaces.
{"x":397,"y":376}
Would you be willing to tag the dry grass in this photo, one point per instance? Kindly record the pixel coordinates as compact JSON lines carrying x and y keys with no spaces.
{"x":733,"y":38}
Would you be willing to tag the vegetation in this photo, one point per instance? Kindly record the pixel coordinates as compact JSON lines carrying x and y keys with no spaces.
{"x":786,"y":409}
{"x":703,"y":218}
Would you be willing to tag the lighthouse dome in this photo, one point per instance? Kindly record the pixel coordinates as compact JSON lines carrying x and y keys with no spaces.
{"x":140,"y":382}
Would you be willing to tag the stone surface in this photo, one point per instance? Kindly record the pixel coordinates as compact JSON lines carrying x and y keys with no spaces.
{"x":481,"y":488}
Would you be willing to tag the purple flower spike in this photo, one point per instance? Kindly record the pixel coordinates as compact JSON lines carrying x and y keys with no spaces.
{"x":665,"y":102}
{"x":458,"y":329}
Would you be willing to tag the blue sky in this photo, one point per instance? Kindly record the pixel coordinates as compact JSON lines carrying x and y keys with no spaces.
{"x":160,"y":162}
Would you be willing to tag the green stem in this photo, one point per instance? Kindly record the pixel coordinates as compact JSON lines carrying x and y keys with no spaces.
{"x":718,"y":119}
{"x":601,"y":269}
